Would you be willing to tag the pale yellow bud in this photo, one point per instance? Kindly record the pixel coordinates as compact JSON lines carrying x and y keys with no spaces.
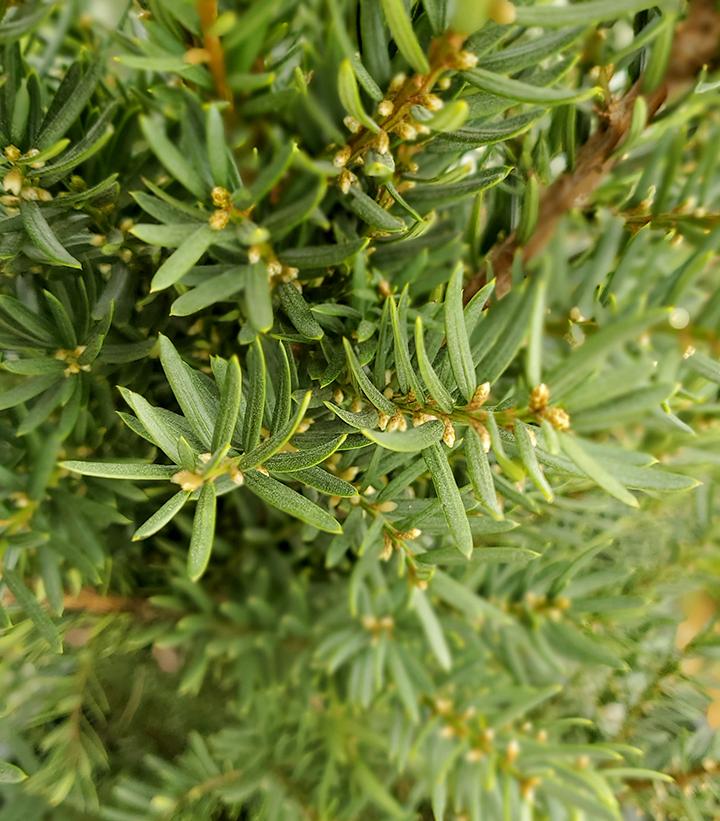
{"x":558,"y":418}
{"x":397,"y":81}
{"x":352,"y":125}
{"x":188,"y":480}
{"x":432,"y":102}
{"x":382,"y":142}
{"x":387,"y":549}
{"x":466,"y":60}
{"x":443,"y":706}
{"x":386,"y":507}
{"x":406,"y":131}
{"x":13,"y":181}
{"x":384,"y":287}
{"x":527,"y":787}
{"x":341,"y":158}
{"x":369,"y":622}
{"x":221,"y":197}
{"x":346,"y":180}
{"x":539,"y":398}
{"x":385,"y":108}
{"x":219,"y":220}
{"x":12,"y":153}
{"x":482,"y":432}
{"x":482,"y":392}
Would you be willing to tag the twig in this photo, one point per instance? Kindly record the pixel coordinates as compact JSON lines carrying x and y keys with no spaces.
{"x":695,"y":44}
{"x":683,"y":780}
{"x":208,"y":11}
{"x":442,"y":55}
{"x":88,"y":601}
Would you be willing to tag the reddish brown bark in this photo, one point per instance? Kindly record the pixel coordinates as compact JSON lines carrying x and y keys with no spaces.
{"x":696,"y":43}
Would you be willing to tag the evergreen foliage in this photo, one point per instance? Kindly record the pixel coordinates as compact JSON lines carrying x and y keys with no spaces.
{"x":358,"y":397}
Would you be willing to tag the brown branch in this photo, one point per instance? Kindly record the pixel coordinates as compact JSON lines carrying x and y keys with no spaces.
{"x":695,"y":44}
{"x":208,"y":12}
{"x":88,"y":601}
{"x":442,"y":55}
{"x":683,"y":780}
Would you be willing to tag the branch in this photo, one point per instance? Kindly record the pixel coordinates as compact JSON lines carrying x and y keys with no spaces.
{"x":683,"y":780}
{"x":88,"y":601}
{"x":208,"y":12}
{"x":695,"y":44}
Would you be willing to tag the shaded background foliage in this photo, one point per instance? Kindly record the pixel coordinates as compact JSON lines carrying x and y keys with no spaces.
{"x":404,"y":505}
